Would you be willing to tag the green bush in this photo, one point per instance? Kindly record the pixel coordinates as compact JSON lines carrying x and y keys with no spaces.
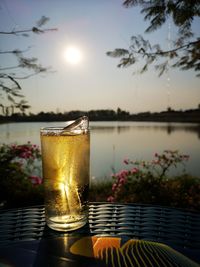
{"x":147,"y":182}
{"x":20,"y":184}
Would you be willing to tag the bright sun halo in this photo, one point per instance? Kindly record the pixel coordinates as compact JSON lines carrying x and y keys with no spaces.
{"x":73,"y":55}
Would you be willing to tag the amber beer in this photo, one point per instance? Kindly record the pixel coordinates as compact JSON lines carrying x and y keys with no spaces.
{"x":65,"y":160}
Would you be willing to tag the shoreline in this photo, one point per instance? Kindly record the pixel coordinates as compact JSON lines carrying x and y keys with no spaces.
{"x":169,"y":116}
{"x":192,"y":121}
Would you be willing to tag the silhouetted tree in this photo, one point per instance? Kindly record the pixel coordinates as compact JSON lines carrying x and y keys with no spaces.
{"x":185,"y":53}
{"x":10,"y":87}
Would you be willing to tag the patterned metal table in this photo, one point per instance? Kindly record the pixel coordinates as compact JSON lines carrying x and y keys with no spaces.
{"x":176,"y":228}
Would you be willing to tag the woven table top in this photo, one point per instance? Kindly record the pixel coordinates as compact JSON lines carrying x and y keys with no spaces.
{"x":166,"y":225}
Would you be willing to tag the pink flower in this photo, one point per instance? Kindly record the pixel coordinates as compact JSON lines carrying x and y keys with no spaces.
{"x":124,"y":173}
{"x":134,"y":170}
{"x":25,"y":155}
{"x":35,"y":180}
{"x":122,"y":180}
{"x":110,"y":199}
{"x":114,"y":186}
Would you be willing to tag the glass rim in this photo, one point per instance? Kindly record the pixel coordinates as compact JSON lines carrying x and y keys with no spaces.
{"x":60,"y":129}
{"x":78,"y":126}
{"x":51,"y":128}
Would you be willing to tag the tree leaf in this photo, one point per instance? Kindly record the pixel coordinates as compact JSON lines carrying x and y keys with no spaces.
{"x":10,"y":98}
{"x":12,"y":79}
{"x":42,"y":21}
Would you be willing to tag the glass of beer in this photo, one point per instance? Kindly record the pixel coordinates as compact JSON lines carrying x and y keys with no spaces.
{"x":65,"y":164}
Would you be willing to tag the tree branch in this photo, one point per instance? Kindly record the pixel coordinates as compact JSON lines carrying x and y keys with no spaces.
{"x":185,"y":54}
{"x":165,"y":52}
{"x":10,"y":68}
{"x":9,"y":84}
{"x":29,"y":75}
{"x":34,"y":30}
{"x":15,"y":51}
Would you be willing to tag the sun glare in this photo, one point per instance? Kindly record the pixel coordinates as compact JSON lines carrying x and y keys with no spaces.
{"x":73,"y":55}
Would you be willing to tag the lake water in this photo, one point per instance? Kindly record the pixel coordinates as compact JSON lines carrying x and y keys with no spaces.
{"x":112,"y":142}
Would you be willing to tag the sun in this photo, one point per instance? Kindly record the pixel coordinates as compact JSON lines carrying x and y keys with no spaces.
{"x":73,"y":55}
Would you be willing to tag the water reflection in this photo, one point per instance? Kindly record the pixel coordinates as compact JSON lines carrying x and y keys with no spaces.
{"x":167,"y":127}
{"x":112,"y":142}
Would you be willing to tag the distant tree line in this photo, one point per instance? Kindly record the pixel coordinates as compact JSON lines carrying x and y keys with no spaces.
{"x":170,"y":115}
{"x":95,"y":115}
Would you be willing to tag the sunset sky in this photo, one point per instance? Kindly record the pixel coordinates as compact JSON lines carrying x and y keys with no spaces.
{"x":83,"y":77}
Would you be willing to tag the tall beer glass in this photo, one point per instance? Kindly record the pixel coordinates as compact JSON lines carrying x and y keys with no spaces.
{"x":65,"y":162}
